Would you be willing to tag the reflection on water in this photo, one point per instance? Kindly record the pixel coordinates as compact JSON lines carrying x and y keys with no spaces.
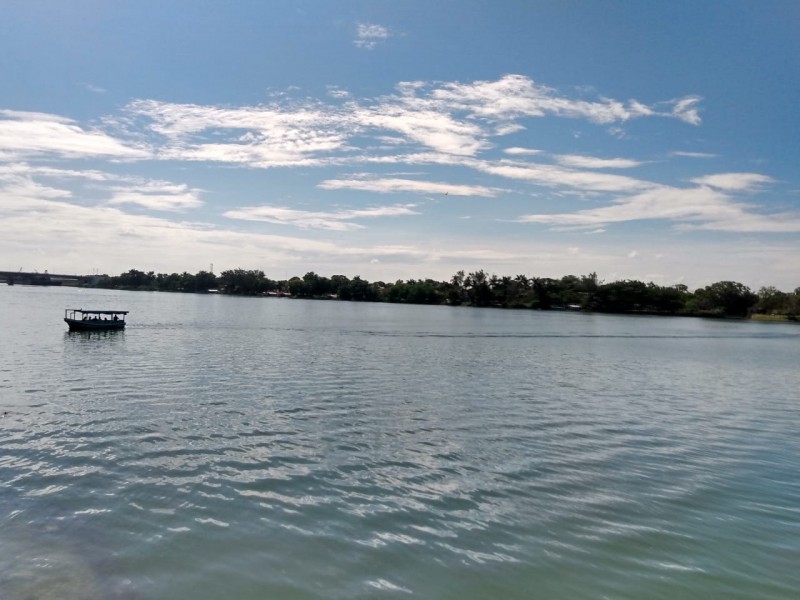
{"x":258,"y":448}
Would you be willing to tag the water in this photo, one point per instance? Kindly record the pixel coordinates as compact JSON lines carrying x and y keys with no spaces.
{"x":271,"y":448}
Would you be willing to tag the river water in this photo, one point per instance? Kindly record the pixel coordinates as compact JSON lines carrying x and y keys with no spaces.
{"x":243,"y":448}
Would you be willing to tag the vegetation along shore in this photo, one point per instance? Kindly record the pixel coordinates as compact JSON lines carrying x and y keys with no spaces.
{"x":571,"y":292}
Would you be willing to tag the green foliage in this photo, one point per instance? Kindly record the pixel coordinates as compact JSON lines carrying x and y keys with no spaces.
{"x":724,"y":298}
{"x":245,"y":282}
{"x":416,"y":292}
{"x":479,"y":288}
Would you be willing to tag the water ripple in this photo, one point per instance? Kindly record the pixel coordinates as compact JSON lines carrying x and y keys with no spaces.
{"x":317,"y":454}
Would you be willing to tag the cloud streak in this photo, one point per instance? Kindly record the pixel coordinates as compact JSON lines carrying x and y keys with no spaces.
{"x":342,"y":220}
{"x":161,"y":196}
{"x":25,"y":134}
{"x":591,"y":162}
{"x":397,"y":185}
{"x":701,"y":207}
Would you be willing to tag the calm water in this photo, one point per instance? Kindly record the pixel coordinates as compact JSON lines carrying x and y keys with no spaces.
{"x":263,"y":448}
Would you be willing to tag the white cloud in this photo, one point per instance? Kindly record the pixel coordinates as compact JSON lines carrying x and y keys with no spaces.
{"x":260,"y":136}
{"x":591,"y":162}
{"x":157,"y":195}
{"x":341,"y":220}
{"x":692,"y":208}
{"x":658,"y":203}
{"x":748,"y":222}
{"x":686,"y":109}
{"x":29,"y":170}
{"x":394,"y":185}
{"x":555,"y":176}
{"x":57,"y":231}
{"x":450,"y":118}
{"x":419,"y":123}
{"x":153,"y":194}
{"x":514,"y":96}
{"x":369,"y":34}
{"x":25,"y":134}
{"x":521,"y":151}
{"x":734,"y":181}
{"x":25,"y":188}
{"x":693,"y":154}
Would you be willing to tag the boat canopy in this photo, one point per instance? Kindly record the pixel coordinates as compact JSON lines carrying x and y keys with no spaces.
{"x":99,"y":312}
{"x":78,"y":314}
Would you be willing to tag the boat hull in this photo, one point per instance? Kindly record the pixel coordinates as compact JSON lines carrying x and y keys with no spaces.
{"x":92,"y":325}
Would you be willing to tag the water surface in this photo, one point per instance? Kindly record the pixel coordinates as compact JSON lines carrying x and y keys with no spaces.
{"x":271,"y":448}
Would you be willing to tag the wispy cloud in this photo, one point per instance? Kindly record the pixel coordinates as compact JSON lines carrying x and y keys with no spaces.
{"x":258,"y":136}
{"x":561,"y":177}
{"x":733,"y":182}
{"x":95,"y":89}
{"x":55,"y":229}
{"x":421,"y":123}
{"x":515,"y":96}
{"x":686,"y":109}
{"x":692,"y":154}
{"x":118,"y":189}
{"x":517,"y":151}
{"x":25,"y":134}
{"x":459,"y":119}
{"x":369,"y":34}
{"x":158,"y":195}
{"x":342,"y":220}
{"x":395,"y":185}
{"x":690,"y":208}
{"x":592,"y":162}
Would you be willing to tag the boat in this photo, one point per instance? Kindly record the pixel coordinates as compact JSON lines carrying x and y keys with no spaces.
{"x":80,"y":319}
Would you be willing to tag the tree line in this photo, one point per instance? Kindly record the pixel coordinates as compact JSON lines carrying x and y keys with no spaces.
{"x":478,"y":288}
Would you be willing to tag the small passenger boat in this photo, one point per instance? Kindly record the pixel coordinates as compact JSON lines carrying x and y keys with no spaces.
{"x":80,"y":319}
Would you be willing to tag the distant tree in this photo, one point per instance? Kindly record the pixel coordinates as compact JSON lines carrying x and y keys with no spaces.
{"x":340,"y":286}
{"x":360,"y":290}
{"x":772,"y":301}
{"x":317,"y":286}
{"x":297,"y":288}
{"x":244,"y":282}
{"x":455,"y":292}
{"x":477,"y":287}
{"x":168,"y":283}
{"x":135,"y":280}
{"x":725,"y":298}
{"x":628,"y":295}
{"x":543,"y":291}
{"x":201,"y":282}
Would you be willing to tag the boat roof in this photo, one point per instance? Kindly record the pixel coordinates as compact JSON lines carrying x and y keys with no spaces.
{"x":100,"y":312}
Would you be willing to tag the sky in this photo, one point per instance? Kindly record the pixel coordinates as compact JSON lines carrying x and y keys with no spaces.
{"x":407,"y":139}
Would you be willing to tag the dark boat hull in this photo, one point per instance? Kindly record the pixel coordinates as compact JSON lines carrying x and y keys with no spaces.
{"x":92,"y":325}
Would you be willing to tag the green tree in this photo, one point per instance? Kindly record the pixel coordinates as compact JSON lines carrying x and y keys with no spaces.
{"x":725,"y":298}
{"x":477,"y":288}
{"x":772,"y":301}
{"x":244,"y":282}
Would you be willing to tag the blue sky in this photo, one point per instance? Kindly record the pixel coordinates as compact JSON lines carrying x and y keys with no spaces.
{"x":394,"y":140}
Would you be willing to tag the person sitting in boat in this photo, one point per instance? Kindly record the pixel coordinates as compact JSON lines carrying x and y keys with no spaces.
{"x":116,"y":318}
